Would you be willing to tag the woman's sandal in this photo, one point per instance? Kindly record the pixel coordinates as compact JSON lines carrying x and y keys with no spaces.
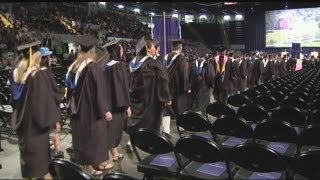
{"x":103,"y":166}
{"x":118,"y":157}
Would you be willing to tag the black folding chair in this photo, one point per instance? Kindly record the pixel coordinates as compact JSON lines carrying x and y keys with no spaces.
{"x":218,"y":109}
{"x":307,"y":165}
{"x":231,"y":131}
{"x":118,"y":176}
{"x":253,"y":113}
{"x":294,"y":102}
{"x":278,"y":135}
{"x":193,"y":122}
{"x":308,"y":138}
{"x":292,"y":115}
{"x":64,"y":169}
{"x":278,"y":95}
{"x":251,"y":93}
{"x":162,"y":161}
{"x":208,"y":162}
{"x":258,"y":162}
{"x":238,"y":100}
{"x":267,"y":102}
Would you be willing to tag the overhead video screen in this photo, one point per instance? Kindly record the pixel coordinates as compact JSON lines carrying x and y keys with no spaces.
{"x":284,"y":27}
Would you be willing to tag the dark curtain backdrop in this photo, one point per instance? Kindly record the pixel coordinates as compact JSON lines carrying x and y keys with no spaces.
{"x":172,"y":31}
{"x":255,"y":31}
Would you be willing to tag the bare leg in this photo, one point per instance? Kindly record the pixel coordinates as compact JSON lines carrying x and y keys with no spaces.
{"x":47,"y":176}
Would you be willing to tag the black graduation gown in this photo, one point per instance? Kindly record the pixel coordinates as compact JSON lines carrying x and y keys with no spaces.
{"x":149,"y":90}
{"x":242,"y":74}
{"x":179,"y":84}
{"x":117,"y":78}
{"x":33,"y":118}
{"x":88,"y":123}
{"x":276,"y":65}
{"x":233,"y":84}
{"x":201,"y":84}
{"x":282,"y":68}
{"x":222,"y":85}
{"x":266,"y":71}
{"x":253,"y":72}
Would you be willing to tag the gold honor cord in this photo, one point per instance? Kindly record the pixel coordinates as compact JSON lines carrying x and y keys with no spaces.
{"x":223,"y":67}
{"x":30,"y":56}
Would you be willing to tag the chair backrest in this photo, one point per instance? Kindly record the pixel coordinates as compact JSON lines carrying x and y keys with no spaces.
{"x":308,"y":164}
{"x":252,"y":112}
{"x":118,"y":176}
{"x":150,"y":141}
{"x":290,"y":114}
{"x":199,"y":149}
{"x":251,"y":93}
{"x":238,"y":100}
{"x":232,"y":126}
{"x":217,"y":109}
{"x":257,"y":158}
{"x":310,"y":136}
{"x":67,"y":170}
{"x":294,"y":102}
{"x":278,"y":95}
{"x":192,"y":121}
{"x":267,"y":102}
{"x":276,"y":130}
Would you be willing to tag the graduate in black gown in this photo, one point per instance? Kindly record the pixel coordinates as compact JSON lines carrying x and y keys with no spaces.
{"x":117,"y":78}
{"x":233,"y":84}
{"x":149,"y":89}
{"x":177,"y":68}
{"x":202,"y":77}
{"x":46,"y":62}
{"x":265,"y":69}
{"x":253,"y":71}
{"x":224,"y":71}
{"x":35,"y":114}
{"x":242,"y":69}
{"x":90,"y":106}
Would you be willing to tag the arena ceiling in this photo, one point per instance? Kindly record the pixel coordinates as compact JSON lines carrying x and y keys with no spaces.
{"x":216,"y":8}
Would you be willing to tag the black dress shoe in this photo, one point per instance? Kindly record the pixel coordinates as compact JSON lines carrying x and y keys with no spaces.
{"x":129,"y":148}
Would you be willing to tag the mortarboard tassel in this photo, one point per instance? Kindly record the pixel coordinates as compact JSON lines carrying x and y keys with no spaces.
{"x":30,"y":56}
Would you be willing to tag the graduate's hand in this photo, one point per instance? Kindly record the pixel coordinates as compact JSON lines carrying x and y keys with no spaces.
{"x":129,"y":111}
{"x":108,"y":116}
{"x":168,"y":103}
{"x":189,"y":91}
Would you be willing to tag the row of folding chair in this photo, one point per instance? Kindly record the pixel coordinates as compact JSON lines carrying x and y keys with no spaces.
{"x":229,"y":131}
{"x":197,"y":157}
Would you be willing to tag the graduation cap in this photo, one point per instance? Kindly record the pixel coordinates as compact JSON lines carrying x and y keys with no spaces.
{"x":140,"y":45}
{"x":176,"y":42}
{"x":230,"y":53}
{"x":202,"y":51}
{"x":86,"y":42}
{"x":108,"y":44}
{"x":221,"y":49}
{"x":31,"y":47}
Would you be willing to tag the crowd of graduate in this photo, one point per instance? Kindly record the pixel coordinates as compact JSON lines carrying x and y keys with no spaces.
{"x":108,"y":94}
